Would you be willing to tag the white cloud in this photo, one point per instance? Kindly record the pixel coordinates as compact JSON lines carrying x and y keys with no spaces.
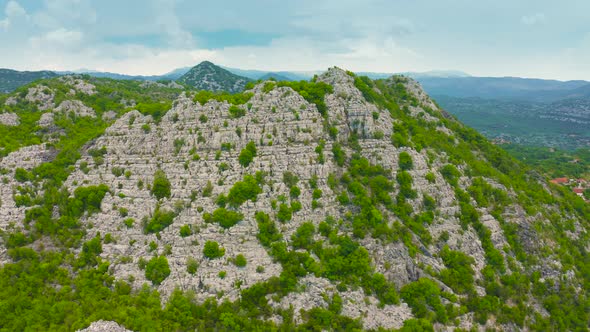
{"x":57,"y":38}
{"x":156,"y":36}
{"x":168,"y":21}
{"x":533,"y":19}
{"x":13,"y":11}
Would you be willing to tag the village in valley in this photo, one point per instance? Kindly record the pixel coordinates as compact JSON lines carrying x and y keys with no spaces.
{"x":580,"y":187}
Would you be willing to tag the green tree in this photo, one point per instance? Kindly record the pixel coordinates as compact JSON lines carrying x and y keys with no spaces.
{"x":247,"y":154}
{"x":240,"y":260}
{"x":405,"y":161}
{"x":212,"y":250}
{"x":161,"y":185}
{"x":157,"y":269}
{"x":247,"y":189}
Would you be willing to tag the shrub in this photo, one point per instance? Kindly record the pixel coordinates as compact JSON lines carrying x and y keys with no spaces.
{"x":247,"y":189}
{"x":129,"y":222}
{"x":405,"y":183}
{"x":117,"y":171}
{"x":290,"y":179}
{"x":267,"y":230}
{"x":423,"y":296}
{"x":22,"y":175}
{"x":451,"y":174}
{"x":192,"y":265}
{"x":160,"y":220}
{"x":284,"y":214}
{"x":178,"y":144}
{"x":316,"y":194}
{"x":247,"y":154}
{"x":430,"y":177}
{"x":226,"y":218}
{"x":207,"y":190}
{"x":405,"y":161}
{"x":212,"y":250}
{"x":295,"y":206}
{"x":339,"y":154}
{"x":294,"y":192}
{"x":429,"y":202}
{"x":185,"y":231}
{"x":240,"y":261}
{"x":236,"y":112}
{"x":87,"y":199}
{"x":157,"y":269}
{"x":303,"y":237}
{"x":458,"y":275}
{"x":161,"y":185}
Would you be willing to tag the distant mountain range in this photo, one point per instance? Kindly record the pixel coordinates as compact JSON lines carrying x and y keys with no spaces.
{"x":522,"y":110}
{"x":12,"y":79}
{"x":511,"y":88}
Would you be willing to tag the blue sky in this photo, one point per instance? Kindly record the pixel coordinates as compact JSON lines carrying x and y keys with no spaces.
{"x":527,"y":38}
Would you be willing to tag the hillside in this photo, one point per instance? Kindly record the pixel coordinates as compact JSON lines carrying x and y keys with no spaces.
{"x":207,"y":76}
{"x":12,"y":79}
{"x":341,"y":203}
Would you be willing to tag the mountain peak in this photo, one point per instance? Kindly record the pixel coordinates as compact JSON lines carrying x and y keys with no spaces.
{"x":206,"y":63}
{"x":208,"y":76}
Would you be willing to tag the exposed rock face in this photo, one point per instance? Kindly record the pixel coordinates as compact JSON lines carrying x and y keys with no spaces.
{"x":9,"y":119}
{"x":207,"y":76}
{"x":42,"y":96}
{"x":282,"y":124}
{"x":79,"y":84}
{"x":76,"y":107}
{"x":67,"y":107}
{"x":12,"y":100}
{"x":46,"y":120}
{"x":27,"y":158}
{"x":104,"y":326}
{"x":172,"y":84}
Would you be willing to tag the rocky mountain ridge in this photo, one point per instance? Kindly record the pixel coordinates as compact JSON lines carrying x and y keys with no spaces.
{"x":343,"y":197}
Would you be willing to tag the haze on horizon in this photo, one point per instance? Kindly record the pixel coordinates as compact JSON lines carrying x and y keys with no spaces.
{"x":541,"y":39}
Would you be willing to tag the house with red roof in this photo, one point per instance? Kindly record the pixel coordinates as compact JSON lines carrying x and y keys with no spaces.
{"x":579,"y":191}
{"x":560,"y":181}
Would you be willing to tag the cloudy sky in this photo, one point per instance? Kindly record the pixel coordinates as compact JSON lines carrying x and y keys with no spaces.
{"x":527,"y":38}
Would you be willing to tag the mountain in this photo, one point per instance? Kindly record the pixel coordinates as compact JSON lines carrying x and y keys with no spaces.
{"x":275,"y":76}
{"x":417,"y":75}
{"x":12,"y":79}
{"x":513,"y":88}
{"x":342,"y":203}
{"x":176,"y":73}
{"x":259,"y":74}
{"x":207,"y":76}
{"x":101,"y":74}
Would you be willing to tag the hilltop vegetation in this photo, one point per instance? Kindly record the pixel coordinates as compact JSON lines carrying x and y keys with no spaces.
{"x":320,"y":205}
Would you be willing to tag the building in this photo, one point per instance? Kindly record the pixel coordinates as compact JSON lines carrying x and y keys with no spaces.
{"x":579,"y":191}
{"x":560,"y":181}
